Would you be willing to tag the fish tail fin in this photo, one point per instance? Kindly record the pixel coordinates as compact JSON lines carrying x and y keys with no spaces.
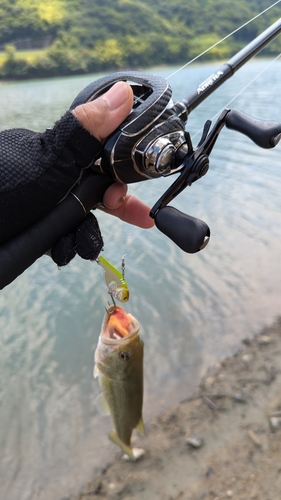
{"x":127,"y":449}
{"x":140,"y":427}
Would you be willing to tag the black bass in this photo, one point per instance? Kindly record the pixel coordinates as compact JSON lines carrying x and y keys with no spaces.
{"x":119,"y":366}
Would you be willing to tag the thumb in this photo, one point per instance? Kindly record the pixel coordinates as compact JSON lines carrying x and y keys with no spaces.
{"x":103,"y":115}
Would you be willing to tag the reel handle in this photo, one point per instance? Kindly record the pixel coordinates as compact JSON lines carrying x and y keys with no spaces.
{"x":189,"y":233}
{"x":265,"y":134}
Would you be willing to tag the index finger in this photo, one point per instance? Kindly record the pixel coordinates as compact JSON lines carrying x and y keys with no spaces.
{"x":133,"y":211}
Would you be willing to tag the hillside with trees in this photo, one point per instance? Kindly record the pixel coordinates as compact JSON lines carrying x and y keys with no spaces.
{"x":64,"y":37}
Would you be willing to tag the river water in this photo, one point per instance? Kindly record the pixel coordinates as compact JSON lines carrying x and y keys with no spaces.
{"x":193,"y":309}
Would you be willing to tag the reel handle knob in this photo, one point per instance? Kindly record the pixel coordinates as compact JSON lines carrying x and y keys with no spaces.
{"x":265,"y":134}
{"x":189,"y":233}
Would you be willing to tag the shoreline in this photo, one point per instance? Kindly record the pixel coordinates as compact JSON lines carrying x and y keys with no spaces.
{"x":102,"y":72}
{"x":220,"y":443}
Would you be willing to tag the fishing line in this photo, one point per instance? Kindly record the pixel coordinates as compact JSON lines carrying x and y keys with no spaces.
{"x":140,"y":186}
{"x":134,"y":191}
{"x":241,"y":91}
{"x":223,"y":39}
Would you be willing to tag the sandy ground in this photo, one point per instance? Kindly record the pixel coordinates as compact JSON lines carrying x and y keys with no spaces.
{"x":234,"y":417}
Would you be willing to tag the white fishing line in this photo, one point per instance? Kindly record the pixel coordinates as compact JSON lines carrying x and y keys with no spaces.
{"x":226,"y":105}
{"x":139,"y":187}
{"x":223,"y":39}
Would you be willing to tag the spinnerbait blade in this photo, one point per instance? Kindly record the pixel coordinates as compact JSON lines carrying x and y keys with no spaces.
{"x":114,"y":279}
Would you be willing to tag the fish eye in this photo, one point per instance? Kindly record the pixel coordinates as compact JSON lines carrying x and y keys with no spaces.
{"x":124,"y":355}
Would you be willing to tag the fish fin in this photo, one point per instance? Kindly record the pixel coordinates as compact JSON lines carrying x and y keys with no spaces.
{"x":102,"y":404}
{"x":95,"y":372}
{"x":127,"y":449}
{"x":140,"y":427}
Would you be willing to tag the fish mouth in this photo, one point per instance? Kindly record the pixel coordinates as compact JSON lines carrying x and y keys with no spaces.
{"x":118,"y":324}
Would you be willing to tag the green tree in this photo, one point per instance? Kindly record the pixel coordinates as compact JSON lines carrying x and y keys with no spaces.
{"x":79,"y":36}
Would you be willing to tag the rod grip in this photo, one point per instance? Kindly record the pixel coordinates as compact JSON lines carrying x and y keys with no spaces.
{"x":189,"y":233}
{"x":18,"y":253}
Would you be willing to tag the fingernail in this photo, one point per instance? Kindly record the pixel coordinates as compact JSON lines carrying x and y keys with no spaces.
{"x":120,"y":201}
{"x":116,"y":96}
{"x":117,"y":204}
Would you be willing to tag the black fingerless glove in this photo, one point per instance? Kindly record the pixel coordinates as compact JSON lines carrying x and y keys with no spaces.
{"x":86,"y":241}
{"x":37,"y":170}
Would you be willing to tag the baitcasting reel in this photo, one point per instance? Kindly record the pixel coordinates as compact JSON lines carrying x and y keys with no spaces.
{"x":152,"y":142}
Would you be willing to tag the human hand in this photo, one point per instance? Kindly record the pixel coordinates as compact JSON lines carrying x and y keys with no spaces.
{"x":101,"y":117}
{"x":39,"y":169}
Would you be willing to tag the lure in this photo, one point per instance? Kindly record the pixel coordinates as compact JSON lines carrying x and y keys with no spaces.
{"x":114,"y":279}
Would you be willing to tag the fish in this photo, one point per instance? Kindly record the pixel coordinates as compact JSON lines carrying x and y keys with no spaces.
{"x":119,"y":368}
{"x":114,"y":279}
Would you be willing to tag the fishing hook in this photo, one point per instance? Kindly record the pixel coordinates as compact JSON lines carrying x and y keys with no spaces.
{"x":111,"y":310}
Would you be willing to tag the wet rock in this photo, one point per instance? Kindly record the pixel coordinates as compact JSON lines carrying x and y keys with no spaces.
{"x":194,"y":441}
{"x":264,"y":340}
{"x":137,"y":452}
{"x":239,"y":398}
{"x":254,"y":438}
{"x":247,"y":359}
{"x":275,"y":423}
{"x":209,"y":382}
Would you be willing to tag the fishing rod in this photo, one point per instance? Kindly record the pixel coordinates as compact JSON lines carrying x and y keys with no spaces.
{"x":152,"y":142}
